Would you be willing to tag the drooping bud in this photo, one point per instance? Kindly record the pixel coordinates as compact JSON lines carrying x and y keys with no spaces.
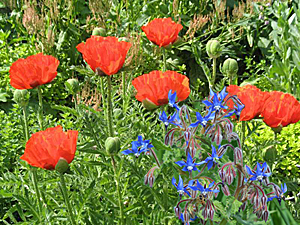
{"x":263,"y":200}
{"x":186,"y":216}
{"x":225,"y":190}
{"x":151,"y":181}
{"x":222,"y":174}
{"x":146,"y":179}
{"x":21,"y":97}
{"x":259,"y":213}
{"x":265,"y":215}
{"x":213,"y":49}
{"x":238,"y":153}
{"x":177,"y":210}
{"x":205,"y":212}
{"x":112,"y":145}
{"x":99,"y":31}
{"x":256,"y":200}
{"x":243,"y":206}
{"x":229,"y":176}
{"x":72,"y":86}
{"x":217,"y":193}
{"x":62,"y":165}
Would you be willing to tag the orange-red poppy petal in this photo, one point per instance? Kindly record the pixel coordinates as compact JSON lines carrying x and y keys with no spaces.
{"x":162,"y":31}
{"x":33,"y":71}
{"x":45,"y":148}
{"x":156,"y":85}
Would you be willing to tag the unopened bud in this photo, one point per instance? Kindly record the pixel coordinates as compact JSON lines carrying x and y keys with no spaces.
{"x":62,"y":165}
{"x":112,"y":145}
{"x":225,"y":190}
{"x":151,"y":181}
{"x":243,"y":206}
{"x":222,"y":174}
{"x":263,"y":200}
{"x":238,"y":153}
{"x":230,"y":68}
{"x":259,"y":213}
{"x":229,"y":176}
{"x":256,"y":200}
{"x":177,"y":210}
{"x":186,"y":216}
{"x":72,"y":86}
{"x":213,"y":49}
{"x":21,"y":97}
{"x":265,"y":215}
{"x":99,"y":31}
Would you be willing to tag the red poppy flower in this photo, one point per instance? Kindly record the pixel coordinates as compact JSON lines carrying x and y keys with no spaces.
{"x":45,"y":148}
{"x":252,"y":97}
{"x":162,"y":31}
{"x":33,"y":71}
{"x":281,"y":109}
{"x":106,"y":53}
{"x":156,"y":85}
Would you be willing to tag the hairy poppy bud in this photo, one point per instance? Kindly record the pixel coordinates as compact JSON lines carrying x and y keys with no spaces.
{"x":112,"y":145}
{"x":72,"y":86}
{"x":62,"y":165}
{"x":230,"y":68}
{"x":99,"y":31}
{"x":213,"y":49}
{"x":118,"y":114}
{"x":21,"y":97}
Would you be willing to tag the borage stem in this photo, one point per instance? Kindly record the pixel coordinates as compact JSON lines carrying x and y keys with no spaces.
{"x":155,"y":157}
{"x":65,"y":195}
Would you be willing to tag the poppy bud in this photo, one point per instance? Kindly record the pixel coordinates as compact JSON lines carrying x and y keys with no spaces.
{"x":118,"y":114}
{"x":99,"y":31}
{"x":21,"y":97}
{"x":213,"y":49}
{"x":62,"y":165}
{"x":72,"y":86}
{"x":230,"y":68}
{"x":149,"y":104}
{"x":112,"y":145}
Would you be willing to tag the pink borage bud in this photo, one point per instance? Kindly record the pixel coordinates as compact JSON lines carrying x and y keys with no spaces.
{"x":222,"y":174}
{"x":225,"y":190}
{"x":238,"y":153}
{"x":151,"y":181}
{"x":256,"y":200}
{"x":263,"y":200}
{"x":265,"y":215}
{"x":186,"y":216}
{"x":229,"y":176}
{"x":243,"y":206}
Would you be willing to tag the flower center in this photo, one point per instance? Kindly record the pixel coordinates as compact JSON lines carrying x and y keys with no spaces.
{"x":181,"y":192}
{"x":190,"y":168}
{"x":217,"y":107}
{"x":166,"y":123}
{"x":137,"y":154}
{"x":260,"y":177}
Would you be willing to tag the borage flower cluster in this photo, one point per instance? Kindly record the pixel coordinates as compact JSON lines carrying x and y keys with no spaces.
{"x":196,"y":191}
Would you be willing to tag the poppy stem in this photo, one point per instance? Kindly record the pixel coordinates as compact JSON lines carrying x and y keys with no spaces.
{"x":36,"y":187}
{"x":214,"y":72}
{"x":66,"y":198}
{"x":243,"y":133}
{"x":25,"y":124}
{"x":124,"y":91}
{"x":40,"y":110}
{"x":109,"y":108}
{"x":164,"y":59}
{"x":113,"y":163}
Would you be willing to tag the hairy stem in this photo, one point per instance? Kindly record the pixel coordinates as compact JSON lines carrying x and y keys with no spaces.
{"x":40,"y":110}
{"x":66,"y":198}
{"x":109,"y":108}
{"x":164,"y":60}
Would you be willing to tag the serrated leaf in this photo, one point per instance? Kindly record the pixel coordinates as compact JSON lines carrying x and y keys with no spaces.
{"x":235,"y":206}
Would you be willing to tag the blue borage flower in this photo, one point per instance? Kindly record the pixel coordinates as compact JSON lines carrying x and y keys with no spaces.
{"x":190,"y":164}
{"x":172,"y":100}
{"x":180,"y":188}
{"x":216,"y":102}
{"x":282,"y":191}
{"x":203,"y":120}
{"x":211,"y":160}
{"x":167,"y":119}
{"x":260,"y":172}
{"x":204,"y":190}
{"x":138,"y":147}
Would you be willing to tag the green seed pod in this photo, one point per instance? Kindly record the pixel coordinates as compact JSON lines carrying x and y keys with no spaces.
{"x":21,"y":97}
{"x":213,"y":49}
{"x":99,"y":31}
{"x":112,"y":145}
{"x":230,"y":67}
{"x":149,"y":104}
{"x":72,"y":86}
{"x":62,"y":165}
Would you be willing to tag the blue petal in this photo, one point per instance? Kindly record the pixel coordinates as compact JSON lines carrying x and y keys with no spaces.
{"x":194,"y":124}
{"x":199,"y":186}
{"x":174,"y":181}
{"x":180,"y":163}
{"x":180,"y":184}
{"x":185,"y":168}
{"x":284,"y":188}
{"x":194,"y":188}
{"x":211,"y":184}
{"x":214,"y":152}
{"x":199,"y":117}
{"x":249,"y":171}
{"x":223,"y":94}
{"x":189,"y":161}
{"x":126,"y":152}
{"x":188,"y":193}
{"x":209,"y":165}
{"x":207,"y":103}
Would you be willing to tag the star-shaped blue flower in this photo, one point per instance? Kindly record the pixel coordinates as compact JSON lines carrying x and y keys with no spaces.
{"x":189,"y":165}
{"x":168,"y":119}
{"x":282,"y":191}
{"x":260,"y":172}
{"x":203,"y":120}
{"x":217,"y":100}
{"x":180,"y":188}
{"x":172,"y":100}
{"x":204,"y":190}
{"x":211,"y":160}
{"x":138,"y":147}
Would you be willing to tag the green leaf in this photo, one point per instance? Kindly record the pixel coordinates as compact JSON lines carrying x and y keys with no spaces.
{"x":235,"y":206}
